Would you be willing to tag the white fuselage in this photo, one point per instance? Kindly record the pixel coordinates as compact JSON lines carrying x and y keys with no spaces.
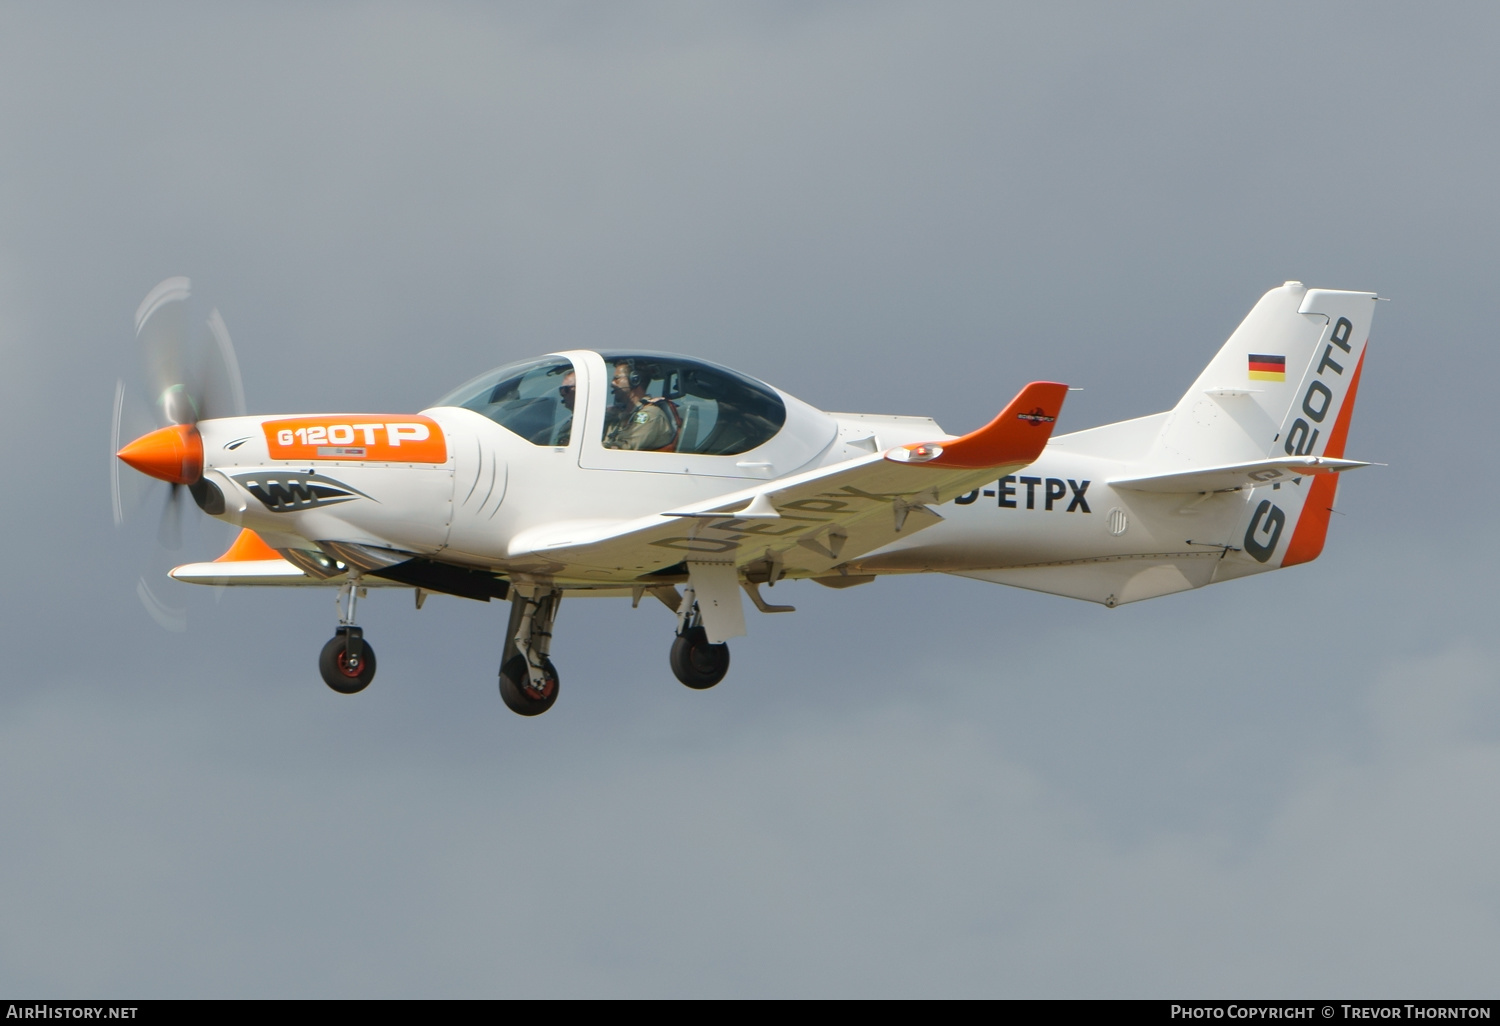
{"x":1208,"y":491}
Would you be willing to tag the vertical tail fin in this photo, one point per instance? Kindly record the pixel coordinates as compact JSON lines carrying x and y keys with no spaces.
{"x":1276,"y":387}
{"x":1320,"y":335}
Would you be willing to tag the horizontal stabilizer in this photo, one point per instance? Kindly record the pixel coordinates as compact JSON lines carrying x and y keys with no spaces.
{"x":1236,"y":476}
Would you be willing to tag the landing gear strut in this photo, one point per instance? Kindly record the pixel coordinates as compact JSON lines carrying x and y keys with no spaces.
{"x":528,"y":680}
{"x":347,"y":662}
{"x":697,"y":663}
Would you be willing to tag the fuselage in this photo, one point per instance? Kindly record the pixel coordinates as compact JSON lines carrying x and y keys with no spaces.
{"x":455,"y":485}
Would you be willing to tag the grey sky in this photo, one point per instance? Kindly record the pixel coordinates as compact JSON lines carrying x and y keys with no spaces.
{"x":1279,"y":786}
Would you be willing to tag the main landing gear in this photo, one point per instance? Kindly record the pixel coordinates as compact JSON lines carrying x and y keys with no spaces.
{"x":528,"y":680}
{"x":347,"y":662}
{"x":697,"y":663}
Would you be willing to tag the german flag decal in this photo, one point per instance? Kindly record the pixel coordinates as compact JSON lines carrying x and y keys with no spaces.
{"x":1267,"y":368}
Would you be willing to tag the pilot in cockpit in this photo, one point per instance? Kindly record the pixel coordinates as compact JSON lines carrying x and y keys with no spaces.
{"x":638,"y":421}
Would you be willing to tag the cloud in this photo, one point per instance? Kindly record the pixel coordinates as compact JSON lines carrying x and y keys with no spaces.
{"x":899,"y":852}
{"x":927,"y":786}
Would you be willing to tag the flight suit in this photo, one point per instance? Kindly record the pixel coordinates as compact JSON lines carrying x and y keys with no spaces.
{"x":647,"y":427}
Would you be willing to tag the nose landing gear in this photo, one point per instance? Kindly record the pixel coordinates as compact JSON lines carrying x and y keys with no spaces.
{"x":347,"y":662}
{"x":697,"y":663}
{"x":528,"y":680}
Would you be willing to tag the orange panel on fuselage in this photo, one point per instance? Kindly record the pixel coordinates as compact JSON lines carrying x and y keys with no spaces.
{"x":357,"y":436}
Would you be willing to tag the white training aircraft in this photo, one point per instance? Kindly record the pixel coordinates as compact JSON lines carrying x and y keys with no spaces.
{"x":638,"y":474}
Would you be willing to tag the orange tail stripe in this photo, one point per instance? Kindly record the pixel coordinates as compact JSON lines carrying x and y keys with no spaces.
{"x":1312,"y":526}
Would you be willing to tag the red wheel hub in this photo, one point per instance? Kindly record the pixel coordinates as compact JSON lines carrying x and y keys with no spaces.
{"x":539,"y":693}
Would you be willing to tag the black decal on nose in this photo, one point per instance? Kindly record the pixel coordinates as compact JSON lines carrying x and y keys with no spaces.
{"x":1315,"y":389}
{"x":1079,"y":502}
{"x":1274,"y":520}
{"x":1055,"y":490}
{"x":1300,"y":439}
{"x":285,"y":492}
{"x":1007,"y":489}
{"x":1030,"y":483}
{"x":964,"y":500}
{"x":1342,"y":329}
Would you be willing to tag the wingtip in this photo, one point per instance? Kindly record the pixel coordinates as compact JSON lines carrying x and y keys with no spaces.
{"x":1016,"y":436}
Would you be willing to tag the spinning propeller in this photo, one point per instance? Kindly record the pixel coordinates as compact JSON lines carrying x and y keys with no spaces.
{"x":190,"y":375}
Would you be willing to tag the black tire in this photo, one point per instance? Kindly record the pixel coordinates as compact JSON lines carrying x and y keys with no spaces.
{"x":333,"y":664}
{"x":517,"y":692}
{"x":697,"y":663}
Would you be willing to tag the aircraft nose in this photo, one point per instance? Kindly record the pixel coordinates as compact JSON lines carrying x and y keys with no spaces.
{"x":173,"y":454}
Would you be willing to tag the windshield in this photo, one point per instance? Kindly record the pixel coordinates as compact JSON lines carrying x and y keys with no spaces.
{"x":664,"y":403}
{"x":534,"y":399}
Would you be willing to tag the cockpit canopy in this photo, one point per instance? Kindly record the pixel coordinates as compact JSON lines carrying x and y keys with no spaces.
{"x":533,"y":398}
{"x":657,"y":402}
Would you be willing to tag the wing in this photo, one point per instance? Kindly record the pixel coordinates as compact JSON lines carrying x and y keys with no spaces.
{"x":806,"y":524}
{"x":249,"y":560}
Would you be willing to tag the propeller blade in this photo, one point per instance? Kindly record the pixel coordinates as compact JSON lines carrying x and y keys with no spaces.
{"x":132,"y":419}
{"x":191,"y":374}
{"x":168,"y":617}
{"x":161,"y":327}
{"x":223,"y":393}
{"x":114,"y":447}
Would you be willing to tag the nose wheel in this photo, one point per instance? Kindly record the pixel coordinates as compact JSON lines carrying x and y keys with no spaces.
{"x":347,"y":662}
